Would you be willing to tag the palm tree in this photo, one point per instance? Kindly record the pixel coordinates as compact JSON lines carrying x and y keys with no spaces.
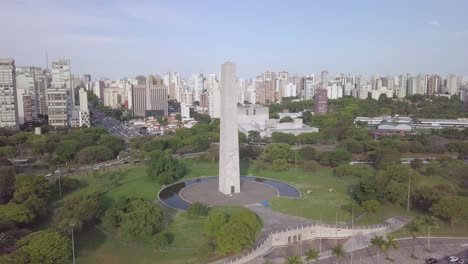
{"x":414,"y":227}
{"x":312,"y":255}
{"x":391,"y":243}
{"x":379,"y":243}
{"x":429,"y":221}
{"x":338,"y":252}
{"x":294,"y":260}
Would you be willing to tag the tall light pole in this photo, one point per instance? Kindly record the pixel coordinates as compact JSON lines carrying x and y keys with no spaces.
{"x":59,"y":179}
{"x":73,"y":241}
{"x":352,"y":234}
{"x":409,"y":190}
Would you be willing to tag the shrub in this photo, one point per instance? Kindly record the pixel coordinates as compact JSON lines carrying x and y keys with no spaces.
{"x":198,"y":209}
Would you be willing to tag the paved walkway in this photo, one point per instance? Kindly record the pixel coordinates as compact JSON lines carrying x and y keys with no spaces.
{"x":274,"y":221}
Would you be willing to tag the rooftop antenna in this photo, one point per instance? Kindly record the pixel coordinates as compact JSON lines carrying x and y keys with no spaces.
{"x":47,"y":59}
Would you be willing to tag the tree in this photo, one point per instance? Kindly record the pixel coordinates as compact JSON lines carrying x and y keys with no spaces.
{"x":335,"y":158}
{"x":433,"y":168}
{"x":371,"y":206}
{"x":198,"y":209}
{"x":379,"y":243}
{"x":16,"y":213}
{"x":429,"y":222}
{"x":7,"y":183}
{"x":416,"y":164}
{"x":279,"y":137}
{"x":254,"y":136}
{"x":449,"y":208}
{"x":234,"y":237}
{"x":387,"y":156}
{"x":112,"y":142}
{"x":310,"y":166}
{"x":390,"y":244}
{"x":286,"y":119}
{"x":312,"y":255}
{"x":134,"y":218}
{"x":164,"y":169}
{"x":294,"y":260}
{"x":309,"y":138}
{"x":276,"y":151}
{"x":308,"y":153}
{"x":414,"y":227}
{"x":248,"y":218}
{"x":214,"y":222}
{"x":8,"y":151}
{"x":46,"y":247}
{"x":280,"y":165}
{"x":94,"y":154}
{"x":338,"y":252}
{"x":78,"y":211}
{"x":32,"y":192}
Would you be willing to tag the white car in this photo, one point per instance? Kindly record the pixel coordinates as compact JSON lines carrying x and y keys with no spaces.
{"x":453,"y":259}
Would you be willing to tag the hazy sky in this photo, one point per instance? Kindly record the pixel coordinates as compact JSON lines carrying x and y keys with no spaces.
{"x":125,"y":38}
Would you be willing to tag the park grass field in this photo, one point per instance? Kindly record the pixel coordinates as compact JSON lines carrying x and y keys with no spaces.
{"x":317,"y":202}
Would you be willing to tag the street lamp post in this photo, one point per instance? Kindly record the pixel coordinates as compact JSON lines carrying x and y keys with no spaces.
{"x":59,"y":179}
{"x":409,"y":190}
{"x":73,"y":245}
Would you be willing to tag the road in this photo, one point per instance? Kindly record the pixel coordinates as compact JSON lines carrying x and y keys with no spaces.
{"x":441,"y":249}
{"x":112,"y":125}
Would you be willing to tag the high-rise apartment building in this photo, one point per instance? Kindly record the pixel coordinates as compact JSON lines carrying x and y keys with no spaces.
{"x":59,"y":94}
{"x":434,"y":84}
{"x":324,"y":78}
{"x":402,"y":86}
{"x":452,"y":84}
{"x":27,"y":95}
{"x":321,"y":102}
{"x":8,"y":100}
{"x":309,"y":88}
{"x":43,"y":80}
{"x":265,"y":91}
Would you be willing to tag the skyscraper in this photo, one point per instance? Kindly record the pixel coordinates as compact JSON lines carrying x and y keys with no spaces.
{"x":452,"y":84}
{"x":27,"y":95}
{"x":59,"y":94}
{"x":229,"y":172}
{"x":321,"y":101}
{"x":434,"y":84}
{"x":8,"y":99}
{"x":324,"y":78}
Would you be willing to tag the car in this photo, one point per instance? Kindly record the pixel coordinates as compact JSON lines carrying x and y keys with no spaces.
{"x":48,"y":175}
{"x":453,"y":259}
{"x":462,"y":261}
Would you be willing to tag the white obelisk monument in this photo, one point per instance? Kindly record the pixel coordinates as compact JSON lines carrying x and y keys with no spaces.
{"x":229,"y":174}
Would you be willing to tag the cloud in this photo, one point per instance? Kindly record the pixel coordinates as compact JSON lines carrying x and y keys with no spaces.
{"x":434,"y":23}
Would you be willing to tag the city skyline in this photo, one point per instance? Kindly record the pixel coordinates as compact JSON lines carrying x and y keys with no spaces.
{"x":124,"y":40}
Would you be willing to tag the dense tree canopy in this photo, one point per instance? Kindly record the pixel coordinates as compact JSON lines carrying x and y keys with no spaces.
{"x":164,"y":169}
{"x":134,"y":218}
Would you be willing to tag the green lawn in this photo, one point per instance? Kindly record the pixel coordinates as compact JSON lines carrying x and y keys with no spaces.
{"x":95,"y":247}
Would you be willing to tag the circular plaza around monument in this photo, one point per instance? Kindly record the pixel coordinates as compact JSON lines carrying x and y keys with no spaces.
{"x":205,"y":190}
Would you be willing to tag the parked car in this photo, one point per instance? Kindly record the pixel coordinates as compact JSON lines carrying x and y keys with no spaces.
{"x":462,"y":261}
{"x":453,"y":259}
{"x":431,"y":261}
